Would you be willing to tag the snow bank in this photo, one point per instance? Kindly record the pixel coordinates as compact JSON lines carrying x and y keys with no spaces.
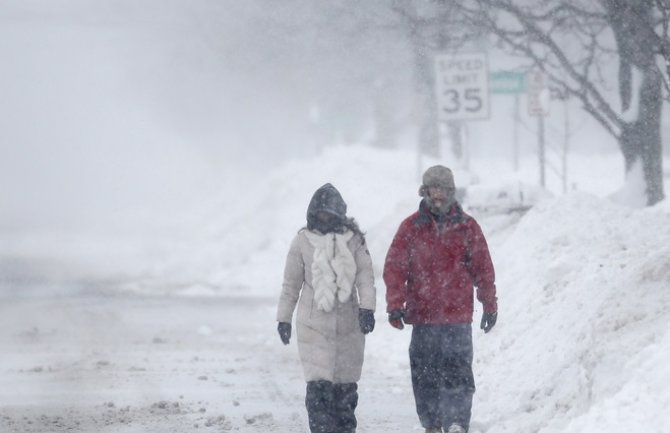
{"x":582,"y":332}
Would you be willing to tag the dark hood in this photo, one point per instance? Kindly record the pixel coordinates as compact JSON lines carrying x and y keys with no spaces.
{"x":326,"y":199}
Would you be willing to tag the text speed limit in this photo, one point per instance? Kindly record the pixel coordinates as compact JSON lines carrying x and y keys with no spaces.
{"x":462,"y":86}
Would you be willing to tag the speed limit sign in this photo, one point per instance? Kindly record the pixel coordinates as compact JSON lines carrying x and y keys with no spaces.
{"x":462,"y":85}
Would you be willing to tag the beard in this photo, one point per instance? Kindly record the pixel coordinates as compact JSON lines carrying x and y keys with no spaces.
{"x":439,"y":207}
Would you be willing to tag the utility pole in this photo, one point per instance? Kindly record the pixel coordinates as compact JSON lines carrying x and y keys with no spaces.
{"x":541,"y":151}
{"x":538,"y":106}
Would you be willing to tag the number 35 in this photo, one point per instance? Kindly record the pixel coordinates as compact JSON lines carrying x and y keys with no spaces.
{"x":471,"y":101}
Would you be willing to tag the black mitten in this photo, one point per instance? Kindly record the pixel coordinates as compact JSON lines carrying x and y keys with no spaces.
{"x":488,"y":321}
{"x":284,"y":330}
{"x":366,"y":320}
{"x":396,"y":319}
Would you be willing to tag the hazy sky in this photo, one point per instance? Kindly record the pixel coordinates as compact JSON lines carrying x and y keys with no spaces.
{"x":113,"y":107}
{"x":114,"y":104}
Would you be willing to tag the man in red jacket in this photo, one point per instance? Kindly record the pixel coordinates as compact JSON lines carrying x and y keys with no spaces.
{"x":436,"y":258}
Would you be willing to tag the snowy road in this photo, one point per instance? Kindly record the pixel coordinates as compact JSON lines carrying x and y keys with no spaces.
{"x":128,"y":364}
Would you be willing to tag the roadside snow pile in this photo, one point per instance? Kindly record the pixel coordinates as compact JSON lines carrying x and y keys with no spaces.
{"x":582,"y":338}
{"x":510,"y":197}
{"x":245,"y":240}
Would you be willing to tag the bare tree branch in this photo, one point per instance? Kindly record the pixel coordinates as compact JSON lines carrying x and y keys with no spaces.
{"x":586,"y":91}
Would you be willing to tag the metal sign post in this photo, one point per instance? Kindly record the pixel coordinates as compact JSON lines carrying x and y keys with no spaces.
{"x":538,"y":106}
{"x":511,"y":83}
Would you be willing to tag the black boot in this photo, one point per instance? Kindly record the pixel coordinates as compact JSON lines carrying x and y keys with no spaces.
{"x":319,"y":403}
{"x":345,"y":402}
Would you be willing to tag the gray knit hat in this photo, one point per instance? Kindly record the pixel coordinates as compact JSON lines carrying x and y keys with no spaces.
{"x":437,"y":175}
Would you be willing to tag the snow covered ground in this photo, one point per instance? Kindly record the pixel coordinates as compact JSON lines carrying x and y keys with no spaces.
{"x":171,"y":328}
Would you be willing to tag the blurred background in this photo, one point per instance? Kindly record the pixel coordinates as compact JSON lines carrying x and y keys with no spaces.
{"x":127,"y":127}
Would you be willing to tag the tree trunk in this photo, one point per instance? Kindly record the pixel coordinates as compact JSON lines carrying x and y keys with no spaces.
{"x":641,"y":139}
{"x":429,"y":134}
{"x":632,"y":21}
{"x":385,"y":129}
{"x":426,"y":105}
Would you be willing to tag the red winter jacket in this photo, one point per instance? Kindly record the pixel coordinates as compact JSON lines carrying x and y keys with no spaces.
{"x":430,"y":269}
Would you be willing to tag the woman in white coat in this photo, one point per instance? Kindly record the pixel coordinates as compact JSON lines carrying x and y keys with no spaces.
{"x":329,"y":276}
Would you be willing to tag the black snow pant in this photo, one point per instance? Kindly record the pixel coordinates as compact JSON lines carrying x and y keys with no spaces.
{"x":441,"y":365}
{"x":331,"y":406}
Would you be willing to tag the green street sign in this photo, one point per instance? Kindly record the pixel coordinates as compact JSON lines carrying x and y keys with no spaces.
{"x":509,"y":82}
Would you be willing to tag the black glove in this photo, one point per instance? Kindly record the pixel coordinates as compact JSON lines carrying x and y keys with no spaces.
{"x":488,"y":321}
{"x":284,"y":330}
{"x":366,"y":320}
{"x":395,"y":319}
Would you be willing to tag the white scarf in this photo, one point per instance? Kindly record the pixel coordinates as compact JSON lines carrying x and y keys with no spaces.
{"x":333,"y":268}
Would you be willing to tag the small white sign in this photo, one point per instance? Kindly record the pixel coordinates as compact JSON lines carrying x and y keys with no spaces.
{"x":462,"y":85}
{"x":539,"y":96}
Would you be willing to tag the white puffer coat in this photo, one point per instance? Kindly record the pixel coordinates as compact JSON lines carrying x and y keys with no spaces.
{"x":330,"y":342}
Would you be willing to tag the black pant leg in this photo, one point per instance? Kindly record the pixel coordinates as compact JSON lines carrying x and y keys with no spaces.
{"x":424,"y":367}
{"x":458,"y":383}
{"x":442,"y":377}
{"x":457,"y":407}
